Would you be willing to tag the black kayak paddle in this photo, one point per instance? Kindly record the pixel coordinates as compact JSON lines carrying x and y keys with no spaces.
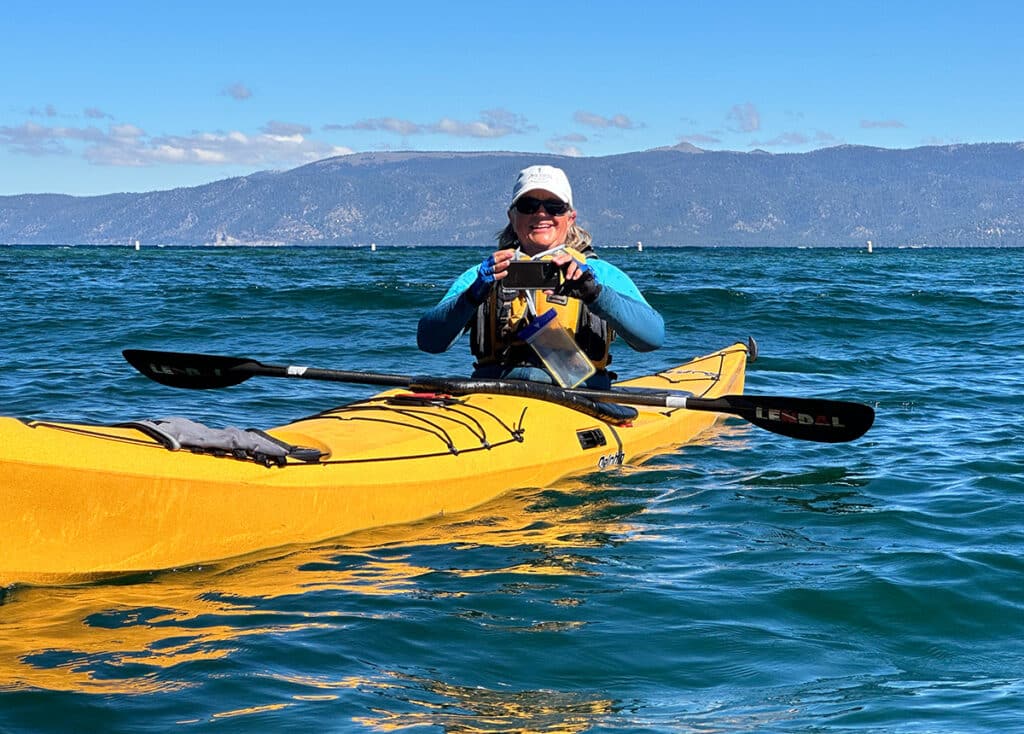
{"x":807,"y":419}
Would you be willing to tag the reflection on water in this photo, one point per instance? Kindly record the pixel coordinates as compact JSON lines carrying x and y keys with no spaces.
{"x":473,"y":709}
{"x":159,"y":633}
{"x":403,"y":701}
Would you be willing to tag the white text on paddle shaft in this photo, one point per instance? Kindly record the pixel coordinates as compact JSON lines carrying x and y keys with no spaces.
{"x":792,"y":416}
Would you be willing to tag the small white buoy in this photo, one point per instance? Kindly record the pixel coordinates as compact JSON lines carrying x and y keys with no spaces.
{"x":870,"y":249}
{"x":639,"y":246}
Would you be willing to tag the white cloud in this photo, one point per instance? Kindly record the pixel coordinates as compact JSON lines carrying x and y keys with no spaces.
{"x":881,"y":123}
{"x":699,"y":138}
{"x":473,"y":129}
{"x":128,"y":145}
{"x":745,"y":117}
{"x":782,"y":140}
{"x":168,"y":153}
{"x":126,"y":131}
{"x":383,"y":124}
{"x":209,"y":156}
{"x":31,"y":138}
{"x":562,"y":146}
{"x":496,"y":123}
{"x":47,"y":111}
{"x":237,"y":91}
{"x":286,"y":129}
{"x":796,"y":139}
{"x":591,"y":119}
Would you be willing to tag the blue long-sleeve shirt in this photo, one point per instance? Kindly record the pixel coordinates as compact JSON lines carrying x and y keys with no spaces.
{"x":619,"y":303}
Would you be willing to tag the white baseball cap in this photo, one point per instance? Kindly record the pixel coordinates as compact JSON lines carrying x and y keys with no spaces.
{"x":547,"y":178}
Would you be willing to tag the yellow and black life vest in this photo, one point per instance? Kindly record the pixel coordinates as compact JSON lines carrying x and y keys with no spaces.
{"x":505,"y":312}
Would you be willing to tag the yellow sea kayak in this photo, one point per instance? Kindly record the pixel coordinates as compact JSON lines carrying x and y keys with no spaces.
{"x":87,"y":501}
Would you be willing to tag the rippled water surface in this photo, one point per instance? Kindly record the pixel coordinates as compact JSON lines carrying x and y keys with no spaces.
{"x":747,"y":582}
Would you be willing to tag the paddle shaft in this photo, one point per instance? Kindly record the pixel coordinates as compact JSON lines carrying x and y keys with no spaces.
{"x":809,"y":419}
{"x":663,"y":399}
{"x":807,"y":411}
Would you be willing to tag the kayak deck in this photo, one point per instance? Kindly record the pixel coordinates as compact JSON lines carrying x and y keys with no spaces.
{"x":84,"y":501}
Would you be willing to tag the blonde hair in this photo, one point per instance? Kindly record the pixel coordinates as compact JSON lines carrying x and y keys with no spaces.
{"x":577,"y":238}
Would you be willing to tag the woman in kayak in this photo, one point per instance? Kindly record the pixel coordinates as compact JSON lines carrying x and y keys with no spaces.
{"x":593,"y":299}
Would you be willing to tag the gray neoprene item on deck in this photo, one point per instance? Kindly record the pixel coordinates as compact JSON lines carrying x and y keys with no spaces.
{"x":181,"y":433}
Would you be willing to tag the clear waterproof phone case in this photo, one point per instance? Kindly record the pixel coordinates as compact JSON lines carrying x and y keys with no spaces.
{"x":560,"y":353}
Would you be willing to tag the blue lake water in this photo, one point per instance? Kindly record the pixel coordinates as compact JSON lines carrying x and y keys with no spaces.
{"x":747,"y":582}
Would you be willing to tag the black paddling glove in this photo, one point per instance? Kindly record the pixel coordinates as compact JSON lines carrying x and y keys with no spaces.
{"x":586,"y":288}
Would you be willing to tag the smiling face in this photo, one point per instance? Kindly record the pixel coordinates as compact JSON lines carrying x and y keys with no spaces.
{"x":540,"y":231}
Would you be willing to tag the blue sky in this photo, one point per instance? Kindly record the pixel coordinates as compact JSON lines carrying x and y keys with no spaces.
{"x":104,"y":97}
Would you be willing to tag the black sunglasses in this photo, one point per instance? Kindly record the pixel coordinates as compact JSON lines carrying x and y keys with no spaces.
{"x":529,"y":205}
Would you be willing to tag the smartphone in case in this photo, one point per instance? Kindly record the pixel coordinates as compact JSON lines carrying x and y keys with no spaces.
{"x":531,"y":274}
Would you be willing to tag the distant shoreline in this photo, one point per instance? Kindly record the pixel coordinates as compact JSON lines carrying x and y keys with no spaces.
{"x":952,"y":196}
{"x":647,"y":248}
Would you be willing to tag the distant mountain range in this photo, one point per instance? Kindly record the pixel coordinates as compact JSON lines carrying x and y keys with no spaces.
{"x":960,"y":195}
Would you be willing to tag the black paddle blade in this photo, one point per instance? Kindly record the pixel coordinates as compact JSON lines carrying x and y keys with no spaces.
{"x":807,"y":419}
{"x":193,"y":371}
